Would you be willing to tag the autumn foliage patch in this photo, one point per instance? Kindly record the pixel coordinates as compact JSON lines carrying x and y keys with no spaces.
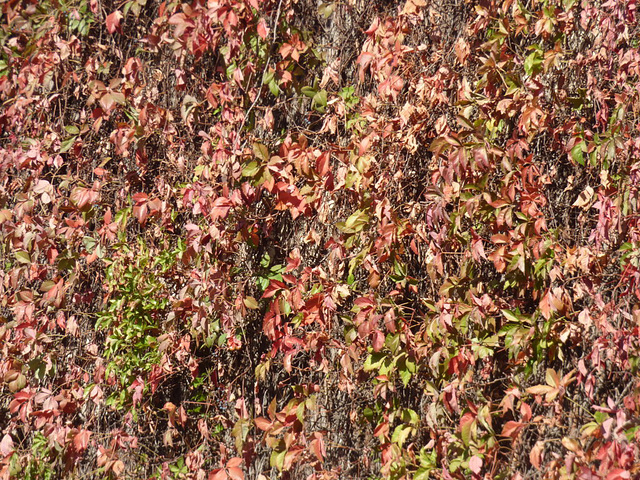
{"x":251,"y":239}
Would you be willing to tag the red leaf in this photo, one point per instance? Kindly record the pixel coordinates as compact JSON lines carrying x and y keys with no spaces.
{"x":274,"y":286}
{"x":177,"y":19}
{"x":322,"y":164}
{"x":141,"y":213}
{"x":286,"y":362}
{"x":220,"y":208}
{"x":294,"y":259}
{"x":117,"y":467}
{"x":182,"y":416}
{"x":478,"y":250}
{"x":618,"y":474}
{"x":545,"y":306}
{"x":364,"y":59}
{"x":113,"y":22}
{"x":391,"y":87}
{"x":289,"y":198}
{"x":140,"y":197}
{"x":84,"y":196}
{"x":364,"y":302}
{"x":540,"y":389}
{"x":81,"y":440}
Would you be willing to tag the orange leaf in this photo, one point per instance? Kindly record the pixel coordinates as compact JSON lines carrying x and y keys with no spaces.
{"x":412,"y":7}
{"x":218,"y":474}
{"x":536,"y":454}
{"x":512,"y":429}
{"x":540,"y":389}
{"x":263,"y":424}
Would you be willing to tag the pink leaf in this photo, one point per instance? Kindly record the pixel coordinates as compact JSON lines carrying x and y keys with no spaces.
{"x":6,"y":445}
{"x":317,"y":446}
{"x":113,"y":22}
{"x":536,"y":454}
{"x":218,"y":474}
{"x":378,"y":340}
{"x":475,"y":464}
{"x":263,"y":29}
{"x":235,"y":473}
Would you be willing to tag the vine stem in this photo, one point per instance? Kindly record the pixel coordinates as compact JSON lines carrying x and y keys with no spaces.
{"x":264,"y":70}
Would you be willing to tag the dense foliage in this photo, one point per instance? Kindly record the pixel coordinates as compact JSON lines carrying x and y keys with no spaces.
{"x":319,"y":240}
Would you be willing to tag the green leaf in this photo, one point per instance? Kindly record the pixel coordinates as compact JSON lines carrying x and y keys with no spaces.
{"x":119,"y":98}
{"x":577,"y":153}
{"x":38,"y":367}
{"x":47,"y":285}
{"x":278,"y":455}
{"x":66,"y":145}
{"x":89,"y":243}
{"x":401,"y":433}
{"x":533,"y":63}
{"x":423,"y":473}
{"x":251,"y":169}
{"x":392,"y":342}
{"x":411,"y":364}
{"x":326,"y":9}
{"x":373,"y":361}
{"x":410,"y":416}
{"x":4,"y":69}
{"x":267,"y":78}
{"x":405,"y":376}
{"x":23,"y":257}
{"x":309,"y":91}
{"x":273,"y":87}
{"x":320,"y":101}
{"x":240,"y":431}
{"x":354,"y":223}
{"x":509,"y":315}
{"x":467,"y":426}
{"x":72,"y":129}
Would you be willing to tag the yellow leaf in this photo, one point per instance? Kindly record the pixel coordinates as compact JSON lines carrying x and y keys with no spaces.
{"x":571,"y":444}
{"x":584,"y":199}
